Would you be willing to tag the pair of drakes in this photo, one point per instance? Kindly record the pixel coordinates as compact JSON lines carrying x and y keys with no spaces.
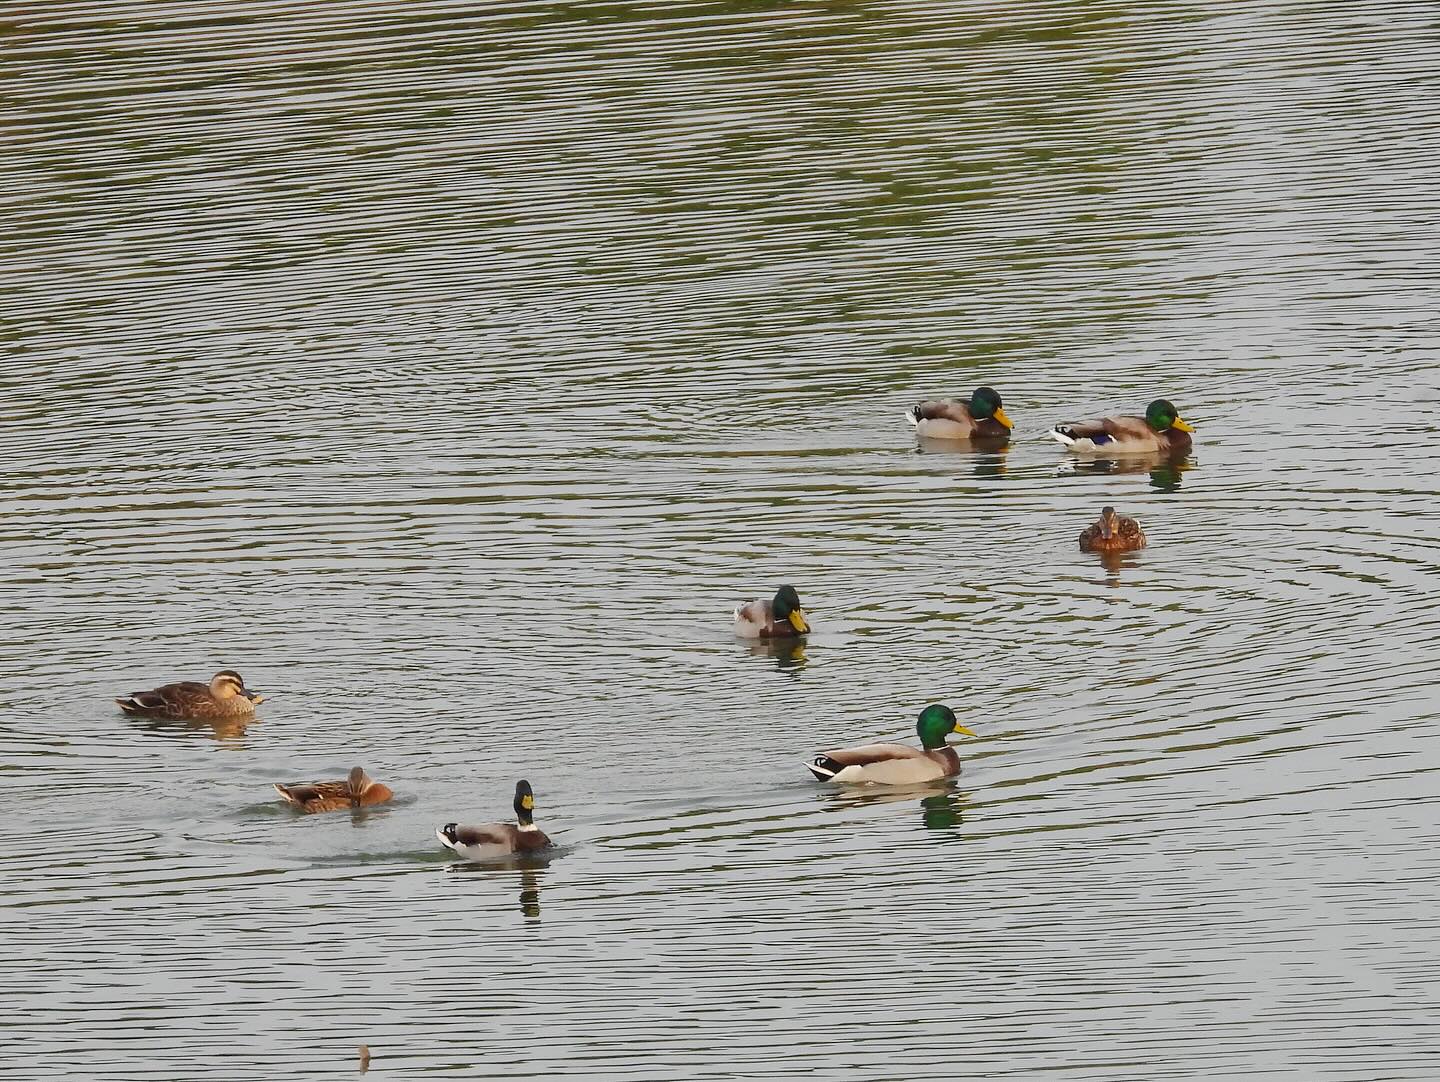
{"x":983,"y":417}
{"x":783,"y":617}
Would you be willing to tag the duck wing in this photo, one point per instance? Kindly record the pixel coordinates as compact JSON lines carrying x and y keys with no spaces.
{"x":868,"y":754}
{"x":758,"y":612}
{"x":304,"y":794}
{"x":1129,"y":428}
{"x":183,"y":691}
{"x":941,"y":409}
{"x":170,"y":699}
{"x":1101,"y":429}
{"x":1104,"y":432}
{"x":1130,"y":530}
{"x":487,"y":834}
{"x":885,"y":764}
{"x":753,"y":619}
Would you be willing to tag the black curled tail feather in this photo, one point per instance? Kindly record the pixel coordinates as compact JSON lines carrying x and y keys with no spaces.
{"x":823,"y":767}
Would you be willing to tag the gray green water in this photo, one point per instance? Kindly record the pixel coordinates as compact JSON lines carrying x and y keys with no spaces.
{"x":451,"y":370}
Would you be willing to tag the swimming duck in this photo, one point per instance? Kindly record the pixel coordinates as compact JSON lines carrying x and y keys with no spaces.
{"x":1161,"y":429}
{"x":1112,"y":533}
{"x":780,"y":617}
{"x":355,"y":791}
{"x":494,"y":840}
{"x":983,"y":417}
{"x":897,"y":764}
{"x":224,"y":697}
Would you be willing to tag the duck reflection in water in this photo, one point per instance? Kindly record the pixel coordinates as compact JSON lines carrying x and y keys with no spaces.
{"x":788,"y":654}
{"x":986,"y":458}
{"x":228,"y":732}
{"x":941,"y":806}
{"x":529,"y":867}
{"x":1115,"y":562}
{"x":1165,"y":470}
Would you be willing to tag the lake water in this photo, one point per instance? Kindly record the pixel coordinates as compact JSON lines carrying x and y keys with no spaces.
{"x":452,"y":370}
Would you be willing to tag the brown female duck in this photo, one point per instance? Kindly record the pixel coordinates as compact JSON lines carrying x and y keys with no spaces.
{"x":1112,"y":533}
{"x":355,"y":791}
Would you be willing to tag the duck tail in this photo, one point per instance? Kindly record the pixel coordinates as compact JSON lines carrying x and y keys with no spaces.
{"x":290,"y":797}
{"x":913,"y":415}
{"x":141,"y":702}
{"x":823,"y":767}
{"x":1061,"y":434}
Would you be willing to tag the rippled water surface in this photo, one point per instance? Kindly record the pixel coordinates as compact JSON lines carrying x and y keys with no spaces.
{"x":451,"y":371}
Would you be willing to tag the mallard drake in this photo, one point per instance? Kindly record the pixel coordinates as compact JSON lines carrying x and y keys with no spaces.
{"x":1161,"y":429}
{"x":1112,"y":533}
{"x":355,"y":791}
{"x":494,"y":840}
{"x":780,"y":617}
{"x":897,"y":764}
{"x":223,"y":698}
{"x":983,"y":417}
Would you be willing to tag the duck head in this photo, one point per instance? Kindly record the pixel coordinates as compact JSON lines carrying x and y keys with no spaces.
{"x":985,"y":402}
{"x":1109,"y":522}
{"x":524,"y":803}
{"x":935,"y":723}
{"x":1161,"y":415}
{"x":786,"y":606}
{"x":227,"y":683}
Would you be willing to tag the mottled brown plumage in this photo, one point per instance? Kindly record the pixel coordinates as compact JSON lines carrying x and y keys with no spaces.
{"x":1112,"y":533}
{"x":224,"y":698}
{"x":356,"y":791}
